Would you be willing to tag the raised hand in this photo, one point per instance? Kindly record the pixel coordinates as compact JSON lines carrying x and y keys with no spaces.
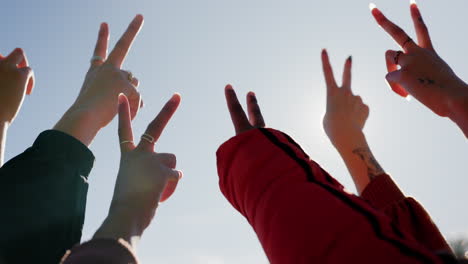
{"x":145,"y":177}
{"x":239,"y":119}
{"x":97,"y":102}
{"x":346,"y":114}
{"x":16,"y":80}
{"x":105,"y":80}
{"x":423,"y":74}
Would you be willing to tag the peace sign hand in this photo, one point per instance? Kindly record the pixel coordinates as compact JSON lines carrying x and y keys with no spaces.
{"x":422,"y":73}
{"x":346,"y":113}
{"x":145,"y":177}
{"x":105,"y":80}
{"x":239,"y":119}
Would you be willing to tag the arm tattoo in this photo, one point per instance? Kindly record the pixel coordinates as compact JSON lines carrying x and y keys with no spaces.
{"x":373,"y":167}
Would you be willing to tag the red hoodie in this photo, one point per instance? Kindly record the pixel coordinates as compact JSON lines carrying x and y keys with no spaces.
{"x":303,"y":215}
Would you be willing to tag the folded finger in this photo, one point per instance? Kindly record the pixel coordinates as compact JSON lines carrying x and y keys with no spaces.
{"x":100,"y":50}
{"x":328,"y":73}
{"x":398,"y":34}
{"x":255,"y":115}
{"x":397,"y":57}
{"x":168,"y":159}
{"x":135,"y":82}
{"x":171,"y":185}
{"x":125,"y":125}
{"x":24,"y":62}
{"x":118,"y":54}
{"x":238,"y":117}
{"x":156,"y":127}
{"x":28,"y":75}
{"x":395,"y":86}
{"x":16,"y":57}
{"x":135,"y":102}
{"x":422,"y":32}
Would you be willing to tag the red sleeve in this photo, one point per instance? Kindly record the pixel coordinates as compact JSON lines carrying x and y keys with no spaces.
{"x":98,"y":251}
{"x":406,"y":213}
{"x":299,"y":213}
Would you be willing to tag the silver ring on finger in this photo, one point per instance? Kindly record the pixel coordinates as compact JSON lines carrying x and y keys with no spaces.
{"x":96,"y":58}
{"x":148,"y":138}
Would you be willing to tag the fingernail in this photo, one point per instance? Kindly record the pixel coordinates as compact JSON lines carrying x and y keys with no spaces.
{"x":324,"y":51}
{"x":176,"y":96}
{"x":372,"y":6}
{"x":412,"y":2}
{"x":229,"y":87}
{"x":350,"y":58}
{"x":121,"y":98}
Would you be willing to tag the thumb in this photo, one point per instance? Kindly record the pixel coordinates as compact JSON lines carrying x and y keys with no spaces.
{"x":125,"y":125}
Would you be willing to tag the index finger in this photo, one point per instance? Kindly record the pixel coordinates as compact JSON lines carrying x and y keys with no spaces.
{"x":156,"y":127}
{"x":118,"y":54}
{"x":328,"y":72}
{"x":238,"y":117}
{"x":398,"y":34}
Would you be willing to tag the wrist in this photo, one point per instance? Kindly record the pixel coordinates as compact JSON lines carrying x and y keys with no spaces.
{"x":349,"y":141}
{"x":121,"y":224}
{"x":458,"y":108}
{"x":79,"y":123}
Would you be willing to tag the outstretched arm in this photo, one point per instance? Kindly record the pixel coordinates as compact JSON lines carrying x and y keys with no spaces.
{"x":344,"y":121}
{"x":16,"y":80}
{"x":145,"y":178}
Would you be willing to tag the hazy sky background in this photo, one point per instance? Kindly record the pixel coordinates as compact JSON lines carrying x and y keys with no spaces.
{"x":272,"y":47}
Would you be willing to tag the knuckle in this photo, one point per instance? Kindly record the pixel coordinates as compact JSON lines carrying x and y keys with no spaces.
{"x":389,"y":53}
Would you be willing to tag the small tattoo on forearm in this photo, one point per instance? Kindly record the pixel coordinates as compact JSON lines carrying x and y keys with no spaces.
{"x":373,"y":167}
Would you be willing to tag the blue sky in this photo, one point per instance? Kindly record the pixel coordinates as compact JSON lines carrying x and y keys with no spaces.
{"x":271,"y":47}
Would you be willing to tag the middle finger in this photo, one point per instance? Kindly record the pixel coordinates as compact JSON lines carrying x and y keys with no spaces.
{"x":118,"y":54}
{"x":398,"y":34}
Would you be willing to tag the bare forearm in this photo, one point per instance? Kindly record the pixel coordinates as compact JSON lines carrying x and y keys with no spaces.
{"x":3,"y":136}
{"x":360,"y":161}
{"x":121,"y":225}
{"x":80,"y":124}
